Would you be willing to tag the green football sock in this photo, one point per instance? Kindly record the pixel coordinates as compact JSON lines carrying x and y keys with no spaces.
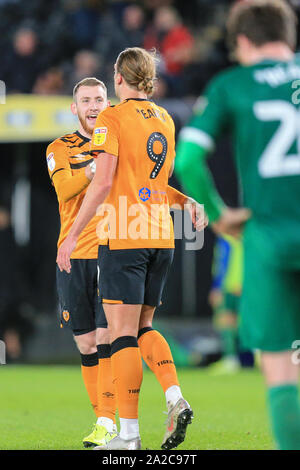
{"x":229,"y":344}
{"x":285,"y":416}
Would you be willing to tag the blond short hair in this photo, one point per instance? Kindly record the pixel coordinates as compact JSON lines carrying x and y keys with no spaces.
{"x":89,"y":81}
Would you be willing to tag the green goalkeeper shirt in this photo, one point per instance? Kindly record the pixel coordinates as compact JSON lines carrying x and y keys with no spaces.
{"x":258,"y":106}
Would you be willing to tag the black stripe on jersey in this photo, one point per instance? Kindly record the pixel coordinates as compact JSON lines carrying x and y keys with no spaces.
{"x":69,"y":140}
{"x":82,"y":137}
{"x":76,"y":166}
{"x":68,"y":136}
{"x":76,"y":145}
{"x":84,"y":140}
{"x":95,"y":152}
{"x":73,"y":138}
{"x":59,"y":169}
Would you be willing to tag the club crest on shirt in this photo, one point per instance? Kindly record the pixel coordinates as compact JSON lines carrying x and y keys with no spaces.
{"x":51,"y":161}
{"x":100,"y":135}
{"x":66,"y":315}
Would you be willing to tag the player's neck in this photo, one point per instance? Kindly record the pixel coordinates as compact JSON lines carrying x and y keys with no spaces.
{"x":84,"y":132}
{"x":128,"y":93}
{"x":272,"y":51}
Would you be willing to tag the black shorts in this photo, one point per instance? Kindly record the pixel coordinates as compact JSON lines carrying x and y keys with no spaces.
{"x":133,"y":276}
{"x":80,"y":307}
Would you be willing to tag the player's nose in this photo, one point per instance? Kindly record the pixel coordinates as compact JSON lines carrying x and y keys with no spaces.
{"x":94,"y":109}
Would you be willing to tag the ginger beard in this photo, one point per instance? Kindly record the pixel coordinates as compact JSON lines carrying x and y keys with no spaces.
{"x":87,"y":121}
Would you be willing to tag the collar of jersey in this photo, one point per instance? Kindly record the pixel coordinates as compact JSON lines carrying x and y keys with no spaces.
{"x":137,"y":99}
{"x":82,"y":136}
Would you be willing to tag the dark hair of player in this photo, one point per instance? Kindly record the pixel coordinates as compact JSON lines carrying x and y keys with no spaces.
{"x":262,"y":21}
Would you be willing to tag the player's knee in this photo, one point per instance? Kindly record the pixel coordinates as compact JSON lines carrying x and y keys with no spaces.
{"x":86,"y":343}
{"x":124,"y":330}
{"x":102,"y":336}
{"x":86,"y":349}
{"x":278,"y":368}
{"x":146,"y":317}
{"x":145,"y":324}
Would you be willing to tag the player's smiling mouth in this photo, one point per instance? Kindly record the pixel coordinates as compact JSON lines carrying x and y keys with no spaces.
{"x":92,"y":117}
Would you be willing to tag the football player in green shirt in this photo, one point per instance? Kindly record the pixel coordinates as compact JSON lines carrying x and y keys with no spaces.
{"x":255,"y":102}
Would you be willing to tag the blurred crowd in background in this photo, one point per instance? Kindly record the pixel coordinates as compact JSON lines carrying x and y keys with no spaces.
{"x":47,"y":47}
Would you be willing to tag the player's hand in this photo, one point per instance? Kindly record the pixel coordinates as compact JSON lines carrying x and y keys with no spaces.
{"x":90,"y":170}
{"x":215,"y":298}
{"x":64,"y":254}
{"x":232,"y":221}
{"x":198,"y":215}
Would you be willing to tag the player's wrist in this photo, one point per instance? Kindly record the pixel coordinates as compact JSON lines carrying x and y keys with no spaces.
{"x":90,"y":170}
{"x":72,"y":235}
{"x":217,"y":214}
{"x":190,"y":200}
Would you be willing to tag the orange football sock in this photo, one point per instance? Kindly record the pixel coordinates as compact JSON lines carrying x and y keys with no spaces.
{"x":127,"y":374}
{"x":158,"y":357}
{"x":89,"y":371}
{"x":107,"y":402}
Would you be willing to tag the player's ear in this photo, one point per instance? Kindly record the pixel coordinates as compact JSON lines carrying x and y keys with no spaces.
{"x":244,"y":49}
{"x":119,"y":78}
{"x":108,"y":103}
{"x":74,"y":108}
{"x":243,"y":42}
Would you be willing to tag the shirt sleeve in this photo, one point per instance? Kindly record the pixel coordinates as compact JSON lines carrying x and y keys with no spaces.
{"x":196,"y":141}
{"x":105,"y":136}
{"x":66,"y":185}
{"x":56,"y":158}
{"x":192,"y":172}
{"x":176,"y":197}
{"x":210,"y":117}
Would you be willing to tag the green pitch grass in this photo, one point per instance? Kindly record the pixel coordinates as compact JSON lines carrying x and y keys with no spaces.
{"x":46,"y":407}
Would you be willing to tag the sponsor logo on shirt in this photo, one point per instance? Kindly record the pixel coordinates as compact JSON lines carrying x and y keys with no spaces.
{"x":51,"y":161}
{"x":144,"y":194}
{"x":100,"y":135}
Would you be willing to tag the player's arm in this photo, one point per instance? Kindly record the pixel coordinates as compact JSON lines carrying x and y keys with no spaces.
{"x":191,"y":170}
{"x":97,"y":192}
{"x":195,"y":144}
{"x":178,"y":200}
{"x":105,"y":149}
{"x":66,"y":185}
